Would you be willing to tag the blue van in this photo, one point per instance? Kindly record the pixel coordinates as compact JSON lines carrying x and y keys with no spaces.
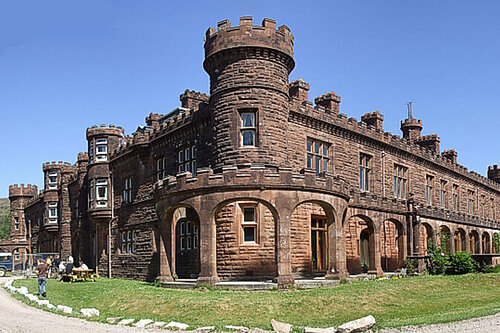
{"x":5,"y":263}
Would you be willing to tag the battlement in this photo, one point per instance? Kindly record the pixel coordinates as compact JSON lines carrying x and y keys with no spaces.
{"x":330,"y":101}
{"x":299,"y":89}
{"x":104,"y":130}
{"x":375,"y":119}
{"x":22,"y":190}
{"x":192,"y":99}
{"x":153,"y":119}
{"x":63,"y":166}
{"x":329,"y":121}
{"x":82,"y":157}
{"x":450,"y":154}
{"x":494,"y":173}
{"x":249,"y":176}
{"x":248,"y":35}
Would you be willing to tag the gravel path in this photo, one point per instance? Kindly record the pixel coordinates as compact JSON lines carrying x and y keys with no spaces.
{"x":17,"y":317}
{"x":489,"y":324}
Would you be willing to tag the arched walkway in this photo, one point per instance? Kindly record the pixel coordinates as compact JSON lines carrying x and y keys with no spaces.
{"x":392,"y":245}
{"x":444,"y":239}
{"x":426,"y":237}
{"x":474,"y":244}
{"x":485,"y":243}
{"x":460,"y":240}
{"x":359,"y":238}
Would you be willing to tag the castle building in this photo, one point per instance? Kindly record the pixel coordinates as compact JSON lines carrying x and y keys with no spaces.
{"x":254,"y":181}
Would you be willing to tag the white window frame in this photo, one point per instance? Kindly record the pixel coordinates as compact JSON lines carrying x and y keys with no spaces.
{"x":249,"y":224}
{"x":186,"y":159}
{"x":250,"y":129}
{"x":53,"y":207}
{"x":52,"y":185}
{"x":161,"y":168}
{"x":101,"y":201}
{"x":318,"y":155}
{"x":400,"y":181}
{"x":364,"y":172}
{"x":101,"y":156}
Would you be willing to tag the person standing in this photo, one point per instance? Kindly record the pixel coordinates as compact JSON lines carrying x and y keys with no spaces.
{"x":41,"y":271}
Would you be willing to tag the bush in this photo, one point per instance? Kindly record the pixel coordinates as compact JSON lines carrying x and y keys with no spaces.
{"x":411,"y":266}
{"x":438,"y":260}
{"x":461,"y":263}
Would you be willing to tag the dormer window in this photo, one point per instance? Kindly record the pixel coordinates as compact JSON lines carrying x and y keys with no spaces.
{"x":52,"y":180}
{"x":101,"y":149}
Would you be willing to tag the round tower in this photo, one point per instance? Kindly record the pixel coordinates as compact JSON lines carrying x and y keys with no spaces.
{"x":102,"y":141}
{"x":19,"y":195}
{"x":249,"y":94}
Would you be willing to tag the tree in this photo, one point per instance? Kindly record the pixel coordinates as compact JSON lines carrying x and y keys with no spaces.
{"x":5,"y":225}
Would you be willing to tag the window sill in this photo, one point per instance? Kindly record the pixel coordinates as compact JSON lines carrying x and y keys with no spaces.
{"x":250,"y":244}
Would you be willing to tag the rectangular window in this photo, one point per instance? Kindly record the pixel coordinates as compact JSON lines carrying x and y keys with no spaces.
{"x":101,"y":149}
{"x":16,"y":222}
{"x":248,"y":128}
{"x":52,"y":180}
{"x":127,"y":190}
{"x":127,"y":242}
{"x":492,"y":209}
{"x":52,"y":212}
{"x":161,"y":166}
{"x":187,"y":159}
{"x":429,"y":180}
{"x":483,"y":205}
{"x":318,"y":155}
{"x":364,"y":172}
{"x":249,"y":223}
{"x":101,"y":189}
{"x":91,"y":151}
{"x":400,"y":179}
{"x":443,"y":193}
{"x":470,"y":201}
{"x":456,"y":201}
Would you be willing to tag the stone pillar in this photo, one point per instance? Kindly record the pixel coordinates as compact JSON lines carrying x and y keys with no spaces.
{"x":337,"y":264}
{"x":165,"y":274}
{"x":377,"y":255}
{"x":208,"y":243}
{"x":283,"y":239}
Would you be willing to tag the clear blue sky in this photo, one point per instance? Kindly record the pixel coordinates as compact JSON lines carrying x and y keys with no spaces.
{"x":67,"y":66}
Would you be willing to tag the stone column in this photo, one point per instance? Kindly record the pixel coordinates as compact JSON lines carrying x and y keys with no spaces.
{"x":208,"y":242}
{"x":164,"y":244}
{"x":377,"y":255}
{"x":337,"y":265}
{"x":283,"y":239}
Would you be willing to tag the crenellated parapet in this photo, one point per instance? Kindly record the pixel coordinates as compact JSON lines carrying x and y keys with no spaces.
{"x":264,"y":37}
{"x":457,"y":217}
{"x":22,"y":190}
{"x":368,"y":200}
{"x":64,"y":167}
{"x":431,"y":142}
{"x":191,"y":99}
{"x":340,"y":123}
{"x":330,"y":101}
{"x":104,"y":130}
{"x":252,"y":177}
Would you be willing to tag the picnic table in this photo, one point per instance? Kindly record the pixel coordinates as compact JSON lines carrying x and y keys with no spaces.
{"x":80,"y":274}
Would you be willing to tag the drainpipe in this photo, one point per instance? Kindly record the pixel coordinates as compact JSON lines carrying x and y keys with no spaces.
{"x":383,"y":173}
{"x":110,"y":221}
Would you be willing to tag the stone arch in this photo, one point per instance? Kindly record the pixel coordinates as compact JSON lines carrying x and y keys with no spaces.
{"x":360,"y":244}
{"x":426,"y":237}
{"x":444,"y":239}
{"x":392,"y":244}
{"x":485,"y":243}
{"x":474,"y":243}
{"x":460,"y":240}
{"x":185,"y":230}
{"x":313,"y":230}
{"x":246,"y":238}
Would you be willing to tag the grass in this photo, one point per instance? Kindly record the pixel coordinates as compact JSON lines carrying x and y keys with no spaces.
{"x":394,"y":303}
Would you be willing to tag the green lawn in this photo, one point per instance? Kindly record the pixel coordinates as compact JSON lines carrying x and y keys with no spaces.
{"x":394,"y":303}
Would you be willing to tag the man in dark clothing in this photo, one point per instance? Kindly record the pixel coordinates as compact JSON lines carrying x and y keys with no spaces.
{"x":41,"y":271}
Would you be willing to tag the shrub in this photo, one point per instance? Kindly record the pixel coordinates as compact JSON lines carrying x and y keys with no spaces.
{"x":461,"y":263}
{"x":496,"y":242}
{"x":411,"y":266}
{"x":438,"y":260}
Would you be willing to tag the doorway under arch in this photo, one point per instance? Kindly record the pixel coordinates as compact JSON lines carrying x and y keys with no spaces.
{"x":187,"y":243}
{"x":392,"y":246}
{"x":359,"y":238}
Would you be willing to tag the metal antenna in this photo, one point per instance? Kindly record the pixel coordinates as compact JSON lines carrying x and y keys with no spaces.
{"x":408,"y":106}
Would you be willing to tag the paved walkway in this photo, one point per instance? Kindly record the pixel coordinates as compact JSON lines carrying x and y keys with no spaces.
{"x":17,"y":317}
